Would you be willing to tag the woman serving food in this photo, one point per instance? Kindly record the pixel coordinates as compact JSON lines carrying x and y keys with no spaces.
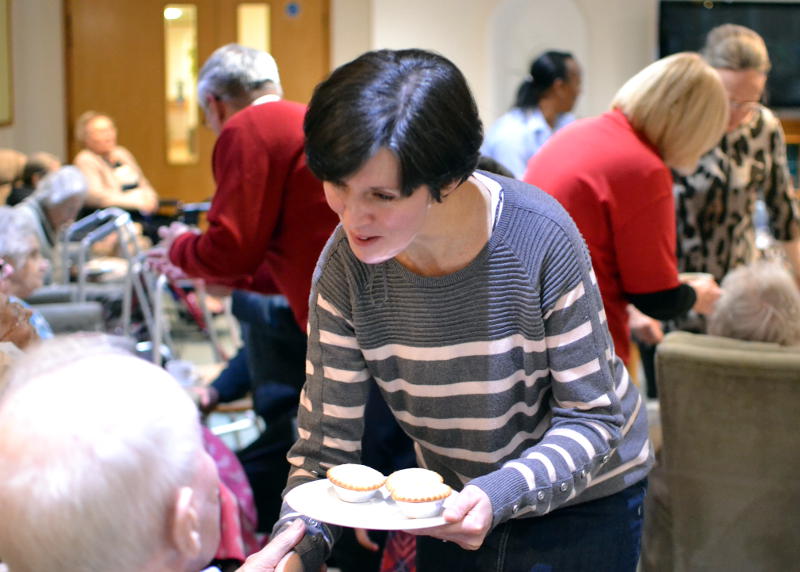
{"x":470,"y":300}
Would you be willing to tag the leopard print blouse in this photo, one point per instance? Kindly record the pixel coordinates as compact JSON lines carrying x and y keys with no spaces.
{"x":715,"y":205}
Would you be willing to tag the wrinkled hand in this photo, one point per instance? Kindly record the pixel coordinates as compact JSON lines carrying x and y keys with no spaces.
{"x":169,"y":233}
{"x":468,"y":515}
{"x":278,"y":554}
{"x":708,"y":292}
{"x":158,"y":261}
{"x":644,"y":328}
{"x":15,"y":326}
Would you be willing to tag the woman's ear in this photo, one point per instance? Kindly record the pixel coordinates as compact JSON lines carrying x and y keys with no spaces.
{"x":185,"y":531}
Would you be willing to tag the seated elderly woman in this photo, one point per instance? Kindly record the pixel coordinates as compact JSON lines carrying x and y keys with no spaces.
{"x":55,"y":204}
{"x":760,"y":302}
{"x":115,"y":178}
{"x":20,"y":248}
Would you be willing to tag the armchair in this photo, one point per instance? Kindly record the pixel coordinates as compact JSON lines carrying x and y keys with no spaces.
{"x":725,"y":494}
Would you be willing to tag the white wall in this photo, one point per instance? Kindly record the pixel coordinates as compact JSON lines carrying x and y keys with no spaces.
{"x":351,"y":29}
{"x":493,"y":41}
{"x":37,"y":51}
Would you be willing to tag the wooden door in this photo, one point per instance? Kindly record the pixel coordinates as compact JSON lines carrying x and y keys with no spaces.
{"x":115,"y":65}
{"x":300,"y":41}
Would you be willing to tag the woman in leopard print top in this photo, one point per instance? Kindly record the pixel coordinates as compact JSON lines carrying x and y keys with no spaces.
{"x":715,"y":205}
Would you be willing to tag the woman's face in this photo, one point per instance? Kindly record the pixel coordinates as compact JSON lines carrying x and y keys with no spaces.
{"x":380,"y":222}
{"x":571,"y":87}
{"x":744,"y":88}
{"x":101,"y":135}
{"x":29,"y":277}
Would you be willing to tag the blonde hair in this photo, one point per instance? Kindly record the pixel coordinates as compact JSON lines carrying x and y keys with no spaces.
{"x":83,"y":122}
{"x":760,"y":302}
{"x":679,"y":105}
{"x":735,"y":47}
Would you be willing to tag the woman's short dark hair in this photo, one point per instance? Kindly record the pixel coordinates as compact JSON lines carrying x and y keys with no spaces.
{"x":415,"y":103}
{"x":544,"y":72}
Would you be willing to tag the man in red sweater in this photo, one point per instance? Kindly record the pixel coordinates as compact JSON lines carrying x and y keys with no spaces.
{"x":267,"y":225}
{"x":268,"y":220}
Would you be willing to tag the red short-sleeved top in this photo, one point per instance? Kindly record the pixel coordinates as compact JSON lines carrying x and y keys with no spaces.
{"x":619,"y":192}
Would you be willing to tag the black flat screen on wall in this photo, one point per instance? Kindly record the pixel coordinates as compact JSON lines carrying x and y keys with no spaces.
{"x":683,"y":26}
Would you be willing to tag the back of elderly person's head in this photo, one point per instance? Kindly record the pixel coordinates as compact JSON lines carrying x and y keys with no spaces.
{"x":238,"y":75}
{"x":760,"y":302}
{"x":58,"y":187}
{"x":101,"y":451}
{"x":679,"y":104}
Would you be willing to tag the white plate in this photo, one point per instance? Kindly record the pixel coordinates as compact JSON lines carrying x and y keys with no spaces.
{"x":318,"y":500}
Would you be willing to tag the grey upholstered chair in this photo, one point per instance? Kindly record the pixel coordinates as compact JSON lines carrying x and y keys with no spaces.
{"x":726,"y":492}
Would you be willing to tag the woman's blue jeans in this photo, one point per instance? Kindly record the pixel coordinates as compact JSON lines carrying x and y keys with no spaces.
{"x":602,"y":535}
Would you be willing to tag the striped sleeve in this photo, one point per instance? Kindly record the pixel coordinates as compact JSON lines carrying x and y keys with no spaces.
{"x":331,"y":410}
{"x":586,"y":422}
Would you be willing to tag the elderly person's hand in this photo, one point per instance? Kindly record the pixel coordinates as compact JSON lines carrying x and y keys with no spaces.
{"x":148,"y":200}
{"x":158,"y":260}
{"x":207,"y":398}
{"x":708,"y":292}
{"x":278,"y":555}
{"x":15,"y":326}
{"x":169,"y":233}
{"x":469,"y":517}
{"x":644,"y":328}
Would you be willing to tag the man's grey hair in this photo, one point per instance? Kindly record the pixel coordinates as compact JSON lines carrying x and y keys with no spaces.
{"x":16,"y":231}
{"x":238,"y":74}
{"x":60,"y":186}
{"x":760,"y":302}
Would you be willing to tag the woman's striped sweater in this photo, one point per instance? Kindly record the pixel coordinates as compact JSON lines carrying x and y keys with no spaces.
{"x":503,"y":373}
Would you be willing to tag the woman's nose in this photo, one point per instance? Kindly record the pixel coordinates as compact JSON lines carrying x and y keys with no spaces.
{"x":356,"y":212}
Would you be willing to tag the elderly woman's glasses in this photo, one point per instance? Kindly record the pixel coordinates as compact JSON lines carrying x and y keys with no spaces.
{"x":743,"y":106}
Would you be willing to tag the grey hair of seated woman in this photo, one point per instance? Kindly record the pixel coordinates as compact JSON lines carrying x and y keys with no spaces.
{"x":760,"y":302}
{"x":60,"y":186}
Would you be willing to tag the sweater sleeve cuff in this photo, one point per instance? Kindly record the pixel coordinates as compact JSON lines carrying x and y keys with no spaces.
{"x":508,"y":492}
{"x":178,"y":247}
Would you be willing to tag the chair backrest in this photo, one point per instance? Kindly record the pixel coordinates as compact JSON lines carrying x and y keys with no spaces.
{"x":730,"y":414}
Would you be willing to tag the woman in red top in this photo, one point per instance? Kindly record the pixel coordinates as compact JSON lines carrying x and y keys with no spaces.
{"x":612,"y":174}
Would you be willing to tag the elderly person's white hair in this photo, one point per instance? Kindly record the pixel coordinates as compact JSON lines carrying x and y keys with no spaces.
{"x":60,"y":186}
{"x":94,"y":444}
{"x":760,"y":302}
{"x":237,"y":73}
{"x":15,"y":236}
